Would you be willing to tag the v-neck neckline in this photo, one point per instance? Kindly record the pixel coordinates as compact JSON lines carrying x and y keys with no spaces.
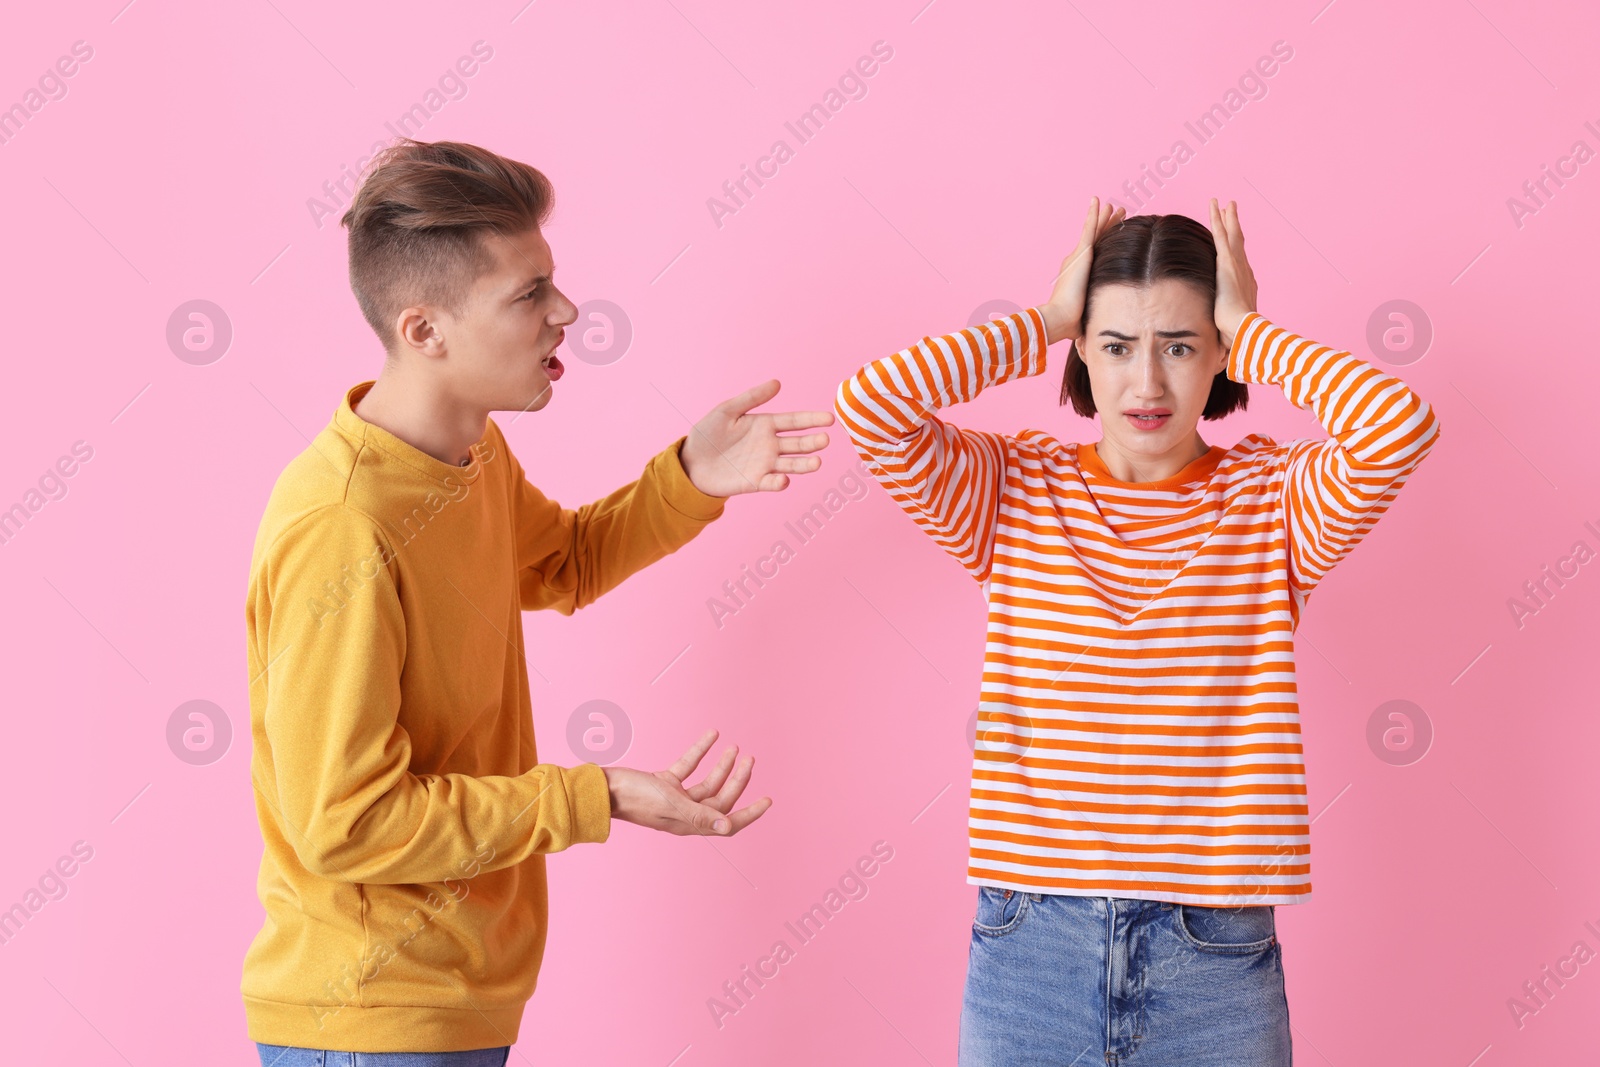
{"x":1161,"y":566}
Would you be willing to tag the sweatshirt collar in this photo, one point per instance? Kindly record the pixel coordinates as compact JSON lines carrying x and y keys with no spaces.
{"x":346,"y":419}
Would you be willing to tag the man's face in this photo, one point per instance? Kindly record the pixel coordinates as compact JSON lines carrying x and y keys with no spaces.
{"x":501,"y":350}
{"x":1151,"y":348}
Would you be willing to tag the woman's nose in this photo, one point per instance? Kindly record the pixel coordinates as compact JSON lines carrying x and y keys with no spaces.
{"x":1149,"y":376}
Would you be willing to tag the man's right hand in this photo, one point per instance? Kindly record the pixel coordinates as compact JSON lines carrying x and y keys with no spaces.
{"x":1063,"y":312}
{"x":660,"y":801}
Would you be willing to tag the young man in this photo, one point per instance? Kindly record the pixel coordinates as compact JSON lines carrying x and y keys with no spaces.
{"x":404,"y":810}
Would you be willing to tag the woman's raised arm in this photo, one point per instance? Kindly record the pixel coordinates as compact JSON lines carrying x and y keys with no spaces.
{"x":948,"y":479}
{"x":1334,"y":491}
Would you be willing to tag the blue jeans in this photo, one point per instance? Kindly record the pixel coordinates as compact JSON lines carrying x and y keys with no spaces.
{"x":1110,"y":981}
{"x":289,"y":1056}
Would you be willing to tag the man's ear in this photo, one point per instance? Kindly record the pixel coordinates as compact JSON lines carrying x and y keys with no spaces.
{"x":418,"y":329}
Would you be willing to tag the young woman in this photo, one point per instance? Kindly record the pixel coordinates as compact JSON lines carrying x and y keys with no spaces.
{"x":1138,"y":804}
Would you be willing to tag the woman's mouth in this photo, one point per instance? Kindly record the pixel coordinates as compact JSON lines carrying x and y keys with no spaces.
{"x":1147,"y":422}
{"x":553,"y":368}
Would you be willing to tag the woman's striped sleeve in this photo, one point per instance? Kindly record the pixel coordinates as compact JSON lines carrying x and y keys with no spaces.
{"x":948,"y":479}
{"x":1334,"y":491}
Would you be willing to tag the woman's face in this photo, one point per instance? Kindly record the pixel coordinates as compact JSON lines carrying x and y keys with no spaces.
{"x":1155,"y":349}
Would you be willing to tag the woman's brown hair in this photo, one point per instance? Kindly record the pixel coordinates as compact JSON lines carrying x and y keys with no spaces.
{"x":1141,"y":250}
{"x":417,"y":224}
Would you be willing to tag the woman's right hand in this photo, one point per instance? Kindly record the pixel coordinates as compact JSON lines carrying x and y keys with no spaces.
{"x":1063,"y":312}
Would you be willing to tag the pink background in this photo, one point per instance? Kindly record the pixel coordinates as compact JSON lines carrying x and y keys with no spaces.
{"x":1378,"y":166}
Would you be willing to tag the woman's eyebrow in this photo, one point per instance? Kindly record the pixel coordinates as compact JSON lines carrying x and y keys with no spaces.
{"x":1159,"y":333}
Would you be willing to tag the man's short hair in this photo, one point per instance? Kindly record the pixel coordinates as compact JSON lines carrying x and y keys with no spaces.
{"x":419,"y":221}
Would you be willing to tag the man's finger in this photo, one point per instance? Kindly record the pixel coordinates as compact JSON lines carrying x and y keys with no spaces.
{"x":713,"y":781}
{"x":755,"y":396}
{"x":745,"y":816}
{"x":704,"y":819}
{"x":728,"y":796}
{"x":691,"y":759}
{"x":800,"y":420}
{"x":811,"y":442}
{"x":802,"y":465}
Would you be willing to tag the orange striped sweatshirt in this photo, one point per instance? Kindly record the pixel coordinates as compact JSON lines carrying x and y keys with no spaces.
{"x":1139,"y":728}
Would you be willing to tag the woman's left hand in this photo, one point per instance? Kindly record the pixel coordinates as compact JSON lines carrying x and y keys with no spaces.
{"x":1236,"y":283}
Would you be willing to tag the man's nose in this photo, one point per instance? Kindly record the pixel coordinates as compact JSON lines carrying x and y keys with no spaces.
{"x":566,"y":312}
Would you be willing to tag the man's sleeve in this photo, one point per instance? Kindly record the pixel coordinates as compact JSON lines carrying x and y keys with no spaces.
{"x":568,"y":557}
{"x":331,"y":644}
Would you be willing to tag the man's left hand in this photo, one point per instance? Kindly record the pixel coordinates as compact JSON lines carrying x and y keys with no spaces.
{"x":733,"y":450}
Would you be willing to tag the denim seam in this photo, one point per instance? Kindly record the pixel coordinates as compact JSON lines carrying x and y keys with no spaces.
{"x":1221,"y":948}
{"x":1007,"y":927}
{"x":1111,"y":942}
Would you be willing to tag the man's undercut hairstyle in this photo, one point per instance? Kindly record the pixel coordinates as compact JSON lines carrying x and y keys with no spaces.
{"x":421,"y":222}
{"x":1141,"y":250}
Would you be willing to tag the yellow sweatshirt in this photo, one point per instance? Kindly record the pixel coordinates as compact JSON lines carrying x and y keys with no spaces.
{"x":403,"y":808}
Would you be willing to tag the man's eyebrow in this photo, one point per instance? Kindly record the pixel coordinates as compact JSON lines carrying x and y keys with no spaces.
{"x":536,"y":279}
{"x":1159,"y":333}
